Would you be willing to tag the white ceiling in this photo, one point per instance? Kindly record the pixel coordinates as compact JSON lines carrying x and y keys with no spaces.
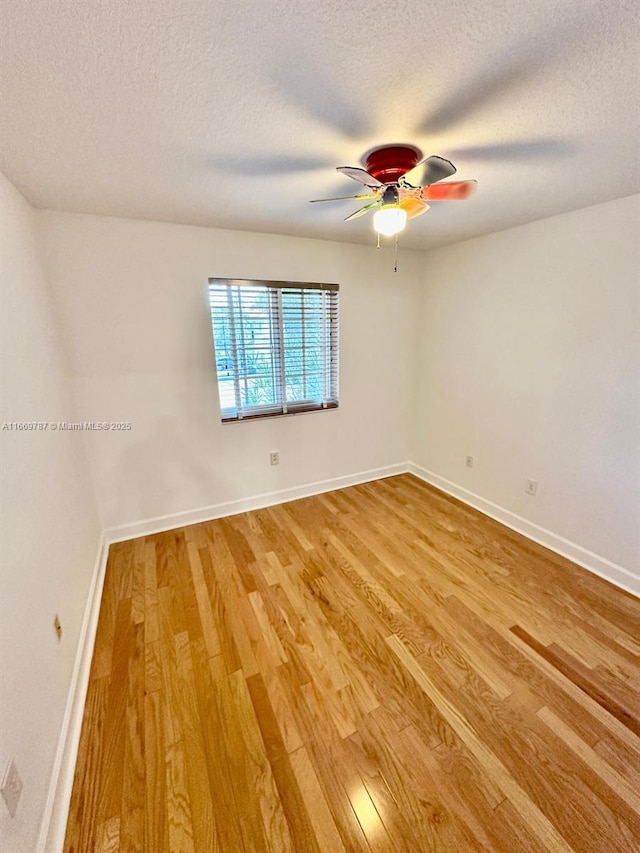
{"x":235,"y":114}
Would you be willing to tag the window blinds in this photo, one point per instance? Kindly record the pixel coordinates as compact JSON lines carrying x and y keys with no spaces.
{"x":276,"y":346}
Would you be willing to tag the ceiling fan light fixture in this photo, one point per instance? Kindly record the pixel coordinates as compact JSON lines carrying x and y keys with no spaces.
{"x":389,"y":220}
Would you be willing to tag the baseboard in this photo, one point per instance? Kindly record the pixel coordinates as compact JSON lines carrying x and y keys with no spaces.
{"x":615,"y":574}
{"x":195,"y":516}
{"x":54,"y":820}
{"x":612,"y":572}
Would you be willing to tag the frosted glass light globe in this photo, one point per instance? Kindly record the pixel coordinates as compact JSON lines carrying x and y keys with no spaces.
{"x":389,"y":220}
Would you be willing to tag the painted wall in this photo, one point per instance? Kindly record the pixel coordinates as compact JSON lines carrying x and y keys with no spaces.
{"x":529,"y":361}
{"x":133,"y":301}
{"x":49,"y":525}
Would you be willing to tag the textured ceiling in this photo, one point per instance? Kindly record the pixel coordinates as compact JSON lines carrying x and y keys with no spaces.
{"x":235,"y":114}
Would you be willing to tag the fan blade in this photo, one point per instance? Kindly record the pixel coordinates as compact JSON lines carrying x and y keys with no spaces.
{"x":360,"y":175}
{"x":429,"y":171}
{"x":453,"y":191}
{"x":413,"y":206}
{"x":363,"y":210}
{"x":339,"y":198}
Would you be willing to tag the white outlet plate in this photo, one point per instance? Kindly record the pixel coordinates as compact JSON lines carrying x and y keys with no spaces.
{"x":531,"y":487}
{"x":11,"y":787}
{"x":274,"y":457}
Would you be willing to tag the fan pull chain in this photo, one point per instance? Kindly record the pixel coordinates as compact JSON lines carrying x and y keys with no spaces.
{"x":378,"y":246}
{"x":395,"y":256}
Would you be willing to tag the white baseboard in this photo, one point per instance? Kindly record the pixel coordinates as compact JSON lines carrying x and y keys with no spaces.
{"x":195,"y":516}
{"x":612,"y":572}
{"x":54,"y":820}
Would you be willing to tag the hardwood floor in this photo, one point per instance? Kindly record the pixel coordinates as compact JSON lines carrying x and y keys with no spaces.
{"x":374,"y":669}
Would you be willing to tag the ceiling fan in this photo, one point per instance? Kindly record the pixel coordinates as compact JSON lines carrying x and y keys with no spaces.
{"x":400,"y":184}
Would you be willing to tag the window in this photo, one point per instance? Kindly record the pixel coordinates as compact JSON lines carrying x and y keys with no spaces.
{"x":276,"y":346}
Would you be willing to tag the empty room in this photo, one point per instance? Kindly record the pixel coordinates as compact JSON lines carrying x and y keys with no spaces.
{"x":320,"y":406}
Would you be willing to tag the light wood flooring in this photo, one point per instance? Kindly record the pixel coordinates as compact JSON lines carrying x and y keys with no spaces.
{"x":374,"y":669}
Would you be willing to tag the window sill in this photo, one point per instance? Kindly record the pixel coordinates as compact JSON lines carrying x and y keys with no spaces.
{"x":268,"y":416}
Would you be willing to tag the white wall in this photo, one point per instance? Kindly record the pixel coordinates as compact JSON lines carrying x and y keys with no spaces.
{"x":529,"y":361}
{"x":133,"y":301}
{"x":50,"y":532}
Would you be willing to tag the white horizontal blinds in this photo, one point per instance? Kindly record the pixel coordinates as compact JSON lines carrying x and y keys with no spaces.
{"x":243,"y":340}
{"x":310,"y":322}
{"x":276,"y":346}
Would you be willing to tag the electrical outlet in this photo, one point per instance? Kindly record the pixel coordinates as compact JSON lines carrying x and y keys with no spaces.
{"x":57,"y":627}
{"x":274,"y":457}
{"x":531,"y":487}
{"x":468,"y":461}
{"x":11,"y":787}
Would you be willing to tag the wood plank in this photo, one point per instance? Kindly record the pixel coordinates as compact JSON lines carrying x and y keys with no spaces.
{"x":131,"y":818}
{"x":611,"y":777}
{"x":241,"y":766}
{"x":537,"y":821}
{"x":82,"y":829}
{"x":202,"y":824}
{"x":215,"y":749}
{"x":580,"y":676}
{"x":298,"y":820}
{"x":109,"y":837}
{"x":319,"y":812}
{"x":112,"y":766}
{"x":156,"y":823}
{"x":276,"y":830}
{"x":179,"y":815}
{"x":551,"y":775}
{"x":151,"y":624}
{"x":205,"y":610}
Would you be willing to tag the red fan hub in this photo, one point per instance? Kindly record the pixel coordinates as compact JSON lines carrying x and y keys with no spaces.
{"x":390,"y":163}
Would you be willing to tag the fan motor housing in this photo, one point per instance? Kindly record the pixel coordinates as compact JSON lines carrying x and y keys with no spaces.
{"x":389,"y":163}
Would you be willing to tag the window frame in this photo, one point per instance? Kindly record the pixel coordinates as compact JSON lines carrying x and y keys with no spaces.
{"x":277,"y":348}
